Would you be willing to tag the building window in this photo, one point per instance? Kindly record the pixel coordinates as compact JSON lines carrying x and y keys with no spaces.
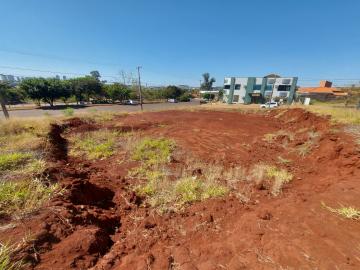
{"x":236,"y":98}
{"x":237,"y":86}
{"x":271,"y":81}
{"x":286,"y":81}
{"x":282,"y":87}
{"x":226,"y":86}
{"x":268,"y":93}
{"x":269,"y":87}
{"x":257,"y":87}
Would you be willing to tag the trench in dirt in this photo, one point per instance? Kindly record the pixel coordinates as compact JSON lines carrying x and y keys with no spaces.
{"x":100,"y":223}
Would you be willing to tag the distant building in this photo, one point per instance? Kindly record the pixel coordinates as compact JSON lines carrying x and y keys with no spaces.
{"x":248,"y":90}
{"x":324,"y":91}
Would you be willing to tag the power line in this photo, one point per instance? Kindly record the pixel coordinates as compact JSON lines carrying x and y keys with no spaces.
{"x":57,"y":57}
{"x":55,"y":72}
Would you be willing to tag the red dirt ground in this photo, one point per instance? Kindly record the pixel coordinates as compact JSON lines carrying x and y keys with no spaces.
{"x":99,"y":223}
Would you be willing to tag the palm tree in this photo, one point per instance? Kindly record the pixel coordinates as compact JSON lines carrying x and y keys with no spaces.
{"x":208,"y":83}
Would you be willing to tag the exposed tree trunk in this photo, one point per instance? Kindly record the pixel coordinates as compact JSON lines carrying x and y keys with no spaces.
{"x":3,"y":107}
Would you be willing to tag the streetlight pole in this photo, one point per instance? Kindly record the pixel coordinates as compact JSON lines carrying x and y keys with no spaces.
{"x":140,"y":93}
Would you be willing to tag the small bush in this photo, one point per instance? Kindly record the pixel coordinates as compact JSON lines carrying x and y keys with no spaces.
{"x":12,"y":161}
{"x":68,"y":112}
{"x":22,"y":197}
{"x":153,"y":151}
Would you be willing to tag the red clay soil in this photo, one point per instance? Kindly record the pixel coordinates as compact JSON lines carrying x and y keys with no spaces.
{"x":100,"y":223}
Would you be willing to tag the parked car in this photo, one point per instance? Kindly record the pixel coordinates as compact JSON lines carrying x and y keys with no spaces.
{"x":131,"y":102}
{"x":270,"y":105}
{"x":172,"y":100}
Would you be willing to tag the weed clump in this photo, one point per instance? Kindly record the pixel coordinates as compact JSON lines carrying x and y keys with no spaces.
{"x":95,"y":144}
{"x":153,"y":151}
{"x":277,"y":177}
{"x":346,"y":212}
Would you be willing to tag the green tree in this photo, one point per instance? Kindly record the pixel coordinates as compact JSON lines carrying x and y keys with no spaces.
{"x":173,"y":92}
{"x":85,"y":87}
{"x":95,"y":74}
{"x":208,"y":82}
{"x":47,"y":90}
{"x":209,"y":96}
{"x":117,"y":91}
{"x":14,"y":95}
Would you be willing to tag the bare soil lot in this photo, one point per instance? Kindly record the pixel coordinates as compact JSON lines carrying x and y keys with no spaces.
{"x":272,"y":186}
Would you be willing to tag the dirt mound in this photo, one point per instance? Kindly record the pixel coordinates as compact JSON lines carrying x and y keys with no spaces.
{"x":58,"y":145}
{"x":80,"y":250}
{"x":100,"y":223}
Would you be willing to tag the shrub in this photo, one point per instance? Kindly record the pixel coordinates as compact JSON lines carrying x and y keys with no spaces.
{"x":185,"y":97}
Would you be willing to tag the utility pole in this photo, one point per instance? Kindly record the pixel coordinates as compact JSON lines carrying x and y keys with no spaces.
{"x":140,"y":93}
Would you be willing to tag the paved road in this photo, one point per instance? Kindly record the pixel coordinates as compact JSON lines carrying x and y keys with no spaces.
{"x":106,"y":108}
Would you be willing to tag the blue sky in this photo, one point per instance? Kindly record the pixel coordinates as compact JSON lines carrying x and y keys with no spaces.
{"x":175,"y":41}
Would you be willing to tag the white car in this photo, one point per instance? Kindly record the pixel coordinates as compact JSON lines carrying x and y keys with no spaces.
{"x":131,"y":102}
{"x":270,"y":105}
{"x":172,"y":100}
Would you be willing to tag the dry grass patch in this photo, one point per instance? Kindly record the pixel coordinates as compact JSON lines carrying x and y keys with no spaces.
{"x":277,"y":177}
{"x":270,"y":137}
{"x":338,"y":115}
{"x":346,"y":212}
{"x":169,"y":189}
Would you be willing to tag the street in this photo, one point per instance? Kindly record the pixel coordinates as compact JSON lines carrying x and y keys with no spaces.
{"x":100,"y":108}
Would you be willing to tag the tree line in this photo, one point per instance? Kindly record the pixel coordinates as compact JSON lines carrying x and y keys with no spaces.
{"x":80,"y":89}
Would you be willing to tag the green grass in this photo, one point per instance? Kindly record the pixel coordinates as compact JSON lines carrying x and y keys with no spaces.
{"x":13,"y":161}
{"x":346,"y":212}
{"x":153,"y":151}
{"x":5,"y":258}
{"x":95,"y":145}
{"x":22,"y":197}
{"x":68,"y":112}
